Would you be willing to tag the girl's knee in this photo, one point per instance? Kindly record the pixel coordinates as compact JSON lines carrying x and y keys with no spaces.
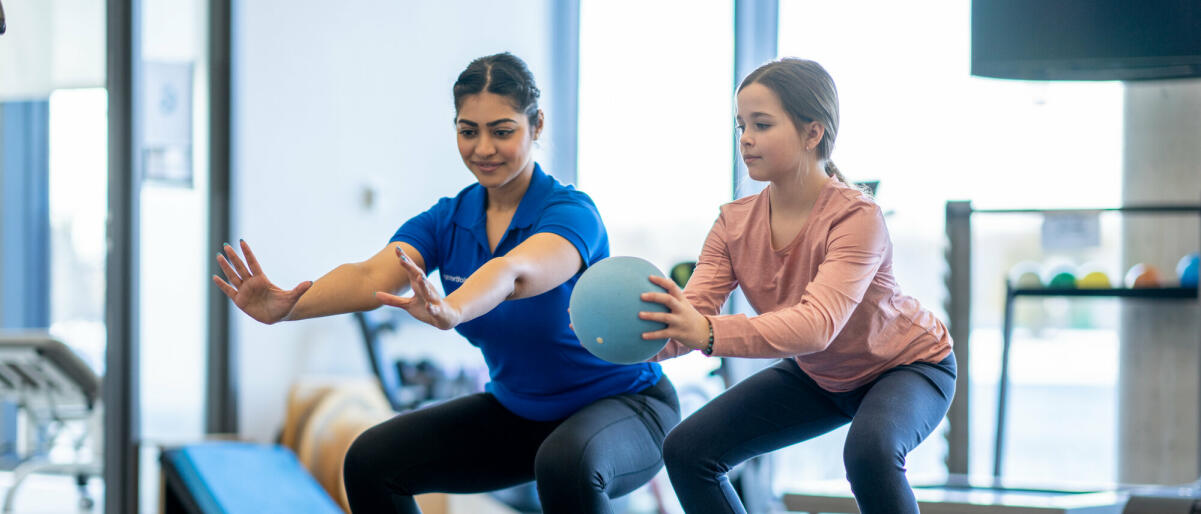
{"x":680,"y":447}
{"x":870,"y":455}
{"x":688,"y":450}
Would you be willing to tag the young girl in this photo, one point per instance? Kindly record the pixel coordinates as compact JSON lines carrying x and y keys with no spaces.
{"x":510,"y":248}
{"x":814,"y":259}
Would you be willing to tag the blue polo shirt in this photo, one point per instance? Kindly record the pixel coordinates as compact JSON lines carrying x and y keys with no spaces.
{"x":538,"y":368}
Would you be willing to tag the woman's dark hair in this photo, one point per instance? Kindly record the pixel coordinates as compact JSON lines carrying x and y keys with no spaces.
{"x":807,"y":92}
{"x":502,"y":74}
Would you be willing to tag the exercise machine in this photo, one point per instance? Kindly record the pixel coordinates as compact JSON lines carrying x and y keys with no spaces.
{"x":55,"y":393}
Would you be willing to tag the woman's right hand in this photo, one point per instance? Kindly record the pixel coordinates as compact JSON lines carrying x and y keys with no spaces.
{"x":250,"y":290}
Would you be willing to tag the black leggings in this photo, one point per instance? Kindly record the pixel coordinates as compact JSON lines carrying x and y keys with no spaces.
{"x":782,"y":405}
{"x":473,"y":444}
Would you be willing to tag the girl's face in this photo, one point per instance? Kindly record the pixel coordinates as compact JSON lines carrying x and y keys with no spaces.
{"x":494,"y":139}
{"x":770,"y":143}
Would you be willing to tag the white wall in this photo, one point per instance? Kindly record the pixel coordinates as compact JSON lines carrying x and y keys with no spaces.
{"x":330,"y":99}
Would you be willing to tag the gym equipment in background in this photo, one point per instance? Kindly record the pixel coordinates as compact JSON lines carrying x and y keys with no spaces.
{"x":372,"y":325}
{"x":1143,"y":276}
{"x":1061,"y":277}
{"x":57,"y":391}
{"x":237,"y":477}
{"x":328,"y":424}
{"x":1026,"y":275}
{"x":1094,"y":280}
{"x":404,"y":383}
{"x":1162,"y":505}
{"x":959,"y":494}
{"x":1165,"y":499}
{"x":681,"y":272}
{"x":960,"y":233}
{"x":406,"y":386}
{"x":1186,"y":269}
{"x":604,"y":309}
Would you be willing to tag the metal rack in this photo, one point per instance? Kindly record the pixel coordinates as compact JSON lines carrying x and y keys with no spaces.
{"x":958,"y":307}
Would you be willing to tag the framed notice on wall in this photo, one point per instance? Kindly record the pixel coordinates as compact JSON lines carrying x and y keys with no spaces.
{"x":167,"y":122}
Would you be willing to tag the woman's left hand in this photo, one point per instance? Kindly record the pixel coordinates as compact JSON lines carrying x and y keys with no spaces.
{"x":426,"y":304}
{"x":684,"y":323}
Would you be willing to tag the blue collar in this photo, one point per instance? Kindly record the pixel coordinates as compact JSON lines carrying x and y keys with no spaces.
{"x":470,"y":213}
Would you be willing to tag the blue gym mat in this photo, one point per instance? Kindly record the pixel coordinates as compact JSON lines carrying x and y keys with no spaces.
{"x":236,"y":478}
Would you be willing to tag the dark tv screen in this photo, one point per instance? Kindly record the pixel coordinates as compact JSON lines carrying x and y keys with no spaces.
{"x":1086,"y":39}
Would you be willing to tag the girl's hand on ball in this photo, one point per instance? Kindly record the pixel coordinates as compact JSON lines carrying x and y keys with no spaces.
{"x":684,"y":323}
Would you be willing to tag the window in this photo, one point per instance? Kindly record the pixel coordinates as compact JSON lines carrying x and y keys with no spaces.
{"x":78,"y":150}
{"x":913,"y":118}
{"x":656,"y":135}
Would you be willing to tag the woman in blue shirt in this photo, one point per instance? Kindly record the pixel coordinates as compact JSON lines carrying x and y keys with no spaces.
{"x":510,"y":248}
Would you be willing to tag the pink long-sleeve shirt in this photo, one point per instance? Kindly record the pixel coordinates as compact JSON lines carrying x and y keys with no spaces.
{"x":828,"y":299}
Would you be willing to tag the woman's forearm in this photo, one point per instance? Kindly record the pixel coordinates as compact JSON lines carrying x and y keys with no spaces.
{"x":491,"y":284}
{"x":346,"y":288}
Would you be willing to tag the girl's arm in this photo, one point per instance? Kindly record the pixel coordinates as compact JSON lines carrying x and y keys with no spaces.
{"x":855,"y":250}
{"x":706,"y":293}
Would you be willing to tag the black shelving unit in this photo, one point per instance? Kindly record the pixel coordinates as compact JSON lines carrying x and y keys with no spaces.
{"x":1011,"y":296}
{"x":959,"y":307}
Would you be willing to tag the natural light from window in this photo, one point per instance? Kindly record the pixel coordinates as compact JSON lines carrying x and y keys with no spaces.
{"x":914,"y":118}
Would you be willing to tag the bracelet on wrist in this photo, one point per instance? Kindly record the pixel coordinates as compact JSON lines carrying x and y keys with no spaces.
{"x":708,"y":350}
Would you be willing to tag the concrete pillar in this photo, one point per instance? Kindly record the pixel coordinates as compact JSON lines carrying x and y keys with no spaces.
{"x":1159,"y":429}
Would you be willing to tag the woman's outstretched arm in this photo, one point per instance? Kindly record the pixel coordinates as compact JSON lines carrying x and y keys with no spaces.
{"x":347,"y":288}
{"x":539,"y":264}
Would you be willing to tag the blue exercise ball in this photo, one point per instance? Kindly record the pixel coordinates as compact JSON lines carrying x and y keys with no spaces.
{"x":605,"y":305}
{"x":1186,"y":269}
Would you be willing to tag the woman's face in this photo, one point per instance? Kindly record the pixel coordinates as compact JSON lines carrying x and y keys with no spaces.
{"x":494,"y":139}
{"x":770,"y":143}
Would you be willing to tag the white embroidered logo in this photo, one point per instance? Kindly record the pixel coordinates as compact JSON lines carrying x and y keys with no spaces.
{"x":453,"y":278}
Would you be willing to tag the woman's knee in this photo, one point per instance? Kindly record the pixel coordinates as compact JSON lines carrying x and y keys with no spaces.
{"x":381,"y":456}
{"x":566,"y":459}
{"x":360,"y":459}
{"x":567,"y":476}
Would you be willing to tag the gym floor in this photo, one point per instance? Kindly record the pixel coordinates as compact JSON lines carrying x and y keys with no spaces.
{"x":49,"y":494}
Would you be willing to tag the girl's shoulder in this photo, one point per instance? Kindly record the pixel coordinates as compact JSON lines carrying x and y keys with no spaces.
{"x":743,"y":207}
{"x":851,"y":199}
{"x":851,"y":193}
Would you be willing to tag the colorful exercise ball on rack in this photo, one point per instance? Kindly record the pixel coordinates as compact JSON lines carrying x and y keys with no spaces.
{"x":1143,"y":276}
{"x":681,"y":272}
{"x":1094,"y":280}
{"x":605,"y":305}
{"x":1186,"y":269}
{"x":1025,"y":275}
{"x":1060,"y":276}
{"x":1062,"y":280}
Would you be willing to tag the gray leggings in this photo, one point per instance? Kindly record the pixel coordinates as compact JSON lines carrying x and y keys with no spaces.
{"x":781,"y":405}
{"x":473,"y":444}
